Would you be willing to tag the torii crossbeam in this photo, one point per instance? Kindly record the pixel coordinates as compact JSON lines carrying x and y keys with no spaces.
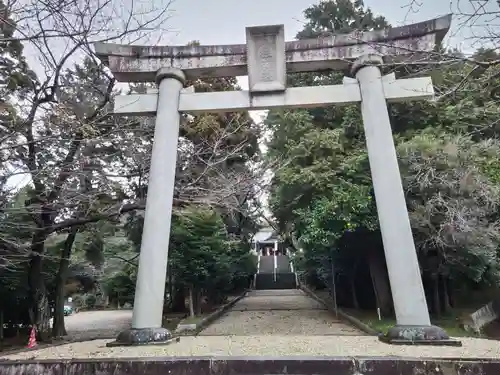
{"x":295,"y":97}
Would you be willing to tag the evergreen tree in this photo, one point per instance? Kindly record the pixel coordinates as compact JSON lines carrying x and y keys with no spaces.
{"x":322,"y":196}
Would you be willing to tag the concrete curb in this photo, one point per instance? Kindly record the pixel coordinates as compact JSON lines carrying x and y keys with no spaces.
{"x":80,"y":309}
{"x":329,"y":305}
{"x":195,"y":328}
{"x":241,"y":365}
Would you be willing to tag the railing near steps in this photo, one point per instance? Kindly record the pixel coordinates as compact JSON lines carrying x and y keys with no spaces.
{"x":275,"y":266}
{"x":295,"y":273}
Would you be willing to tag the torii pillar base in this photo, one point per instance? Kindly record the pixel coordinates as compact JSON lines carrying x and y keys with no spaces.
{"x":144,"y":336}
{"x":418,"y":335}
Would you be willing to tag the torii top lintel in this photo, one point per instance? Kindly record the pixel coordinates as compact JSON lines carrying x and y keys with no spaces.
{"x":131,"y":63}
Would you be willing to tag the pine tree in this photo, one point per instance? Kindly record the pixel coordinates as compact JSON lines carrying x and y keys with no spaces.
{"x":17,"y":82}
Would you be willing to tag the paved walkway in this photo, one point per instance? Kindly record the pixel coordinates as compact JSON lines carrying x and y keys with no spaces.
{"x":278,"y":312}
{"x":299,"y":327}
{"x":270,"y":346}
{"x":88,"y":325}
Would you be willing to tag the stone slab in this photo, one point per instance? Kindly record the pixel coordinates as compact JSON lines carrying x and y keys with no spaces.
{"x":266,"y":58}
{"x":275,"y":293}
{"x":185,"y":327}
{"x":278,"y":280}
{"x":278,"y":301}
{"x":484,"y":316}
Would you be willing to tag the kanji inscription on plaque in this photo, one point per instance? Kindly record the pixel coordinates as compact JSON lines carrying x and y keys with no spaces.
{"x":266,"y":58}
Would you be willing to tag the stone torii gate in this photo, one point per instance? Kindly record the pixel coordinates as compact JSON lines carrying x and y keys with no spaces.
{"x":266,"y":58}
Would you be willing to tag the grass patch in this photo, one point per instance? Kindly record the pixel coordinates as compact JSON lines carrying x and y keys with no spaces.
{"x":450,"y":322}
{"x":193,"y":319}
{"x":171,"y":322}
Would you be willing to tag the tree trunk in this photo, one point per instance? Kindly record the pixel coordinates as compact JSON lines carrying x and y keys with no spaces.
{"x":380,"y":281}
{"x":58,"y":328}
{"x":191,"y":305}
{"x":446,"y":296}
{"x":1,"y":329}
{"x":435,"y":293}
{"x":374,"y":287}
{"x":195,"y":301}
{"x":170,"y":300}
{"x":355,"y":302}
{"x":43,"y":316}
{"x":179,"y":301}
{"x":39,"y":302}
{"x":198,"y":301}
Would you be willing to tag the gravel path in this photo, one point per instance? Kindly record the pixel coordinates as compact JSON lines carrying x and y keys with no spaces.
{"x":299,"y":327}
{"x":276,"y":345}
{"x":92,"y":324}
{"x":102,"y":324}
{"x":282,"y":312}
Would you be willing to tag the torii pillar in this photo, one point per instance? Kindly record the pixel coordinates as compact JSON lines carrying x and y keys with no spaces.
{"x":410,"y":305}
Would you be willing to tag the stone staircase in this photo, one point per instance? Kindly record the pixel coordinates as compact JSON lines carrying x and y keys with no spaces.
{"x":266,"y":264}
{"x":283,"y":264}
{"x":275,"y":272}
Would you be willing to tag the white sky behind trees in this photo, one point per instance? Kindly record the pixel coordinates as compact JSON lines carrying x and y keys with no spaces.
{"x":224,"y":22}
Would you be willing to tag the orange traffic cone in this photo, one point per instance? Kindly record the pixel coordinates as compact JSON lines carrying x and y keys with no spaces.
{"x":32,"y":340}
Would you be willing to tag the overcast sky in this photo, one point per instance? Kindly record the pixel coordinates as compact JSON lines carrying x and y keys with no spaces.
{"x":224,"y":21}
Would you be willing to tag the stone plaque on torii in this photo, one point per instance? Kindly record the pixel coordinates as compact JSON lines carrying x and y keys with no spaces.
{"x":266,"y":58}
